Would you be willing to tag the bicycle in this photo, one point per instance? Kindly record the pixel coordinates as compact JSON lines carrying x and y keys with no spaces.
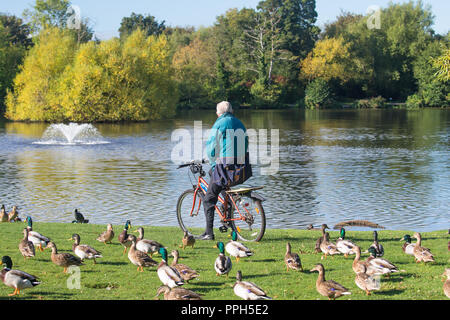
{"x":240,"y":209}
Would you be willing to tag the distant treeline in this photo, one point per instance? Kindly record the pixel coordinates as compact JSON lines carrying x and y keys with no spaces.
{"x":274,"y":55}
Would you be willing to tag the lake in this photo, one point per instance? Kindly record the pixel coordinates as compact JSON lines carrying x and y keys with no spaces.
{"x":391,"y":167}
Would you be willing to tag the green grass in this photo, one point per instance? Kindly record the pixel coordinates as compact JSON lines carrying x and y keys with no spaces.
{"x":115,"y":278}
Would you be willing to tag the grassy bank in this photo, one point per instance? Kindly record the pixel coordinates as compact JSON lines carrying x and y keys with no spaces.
{"x":114,"y":277}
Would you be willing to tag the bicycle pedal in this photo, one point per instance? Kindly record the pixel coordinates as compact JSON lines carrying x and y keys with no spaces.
{"x":223,"y":229}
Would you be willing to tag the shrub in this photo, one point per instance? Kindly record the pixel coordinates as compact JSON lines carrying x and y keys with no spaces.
{"x":375,"y":102}
{"x":318,"y":94}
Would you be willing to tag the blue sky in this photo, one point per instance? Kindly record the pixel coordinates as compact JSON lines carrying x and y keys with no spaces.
{"x":106,"y":15}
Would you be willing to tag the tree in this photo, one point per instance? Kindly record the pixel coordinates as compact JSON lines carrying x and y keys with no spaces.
{"x":148,"y":24}
{"x":60,"y":14}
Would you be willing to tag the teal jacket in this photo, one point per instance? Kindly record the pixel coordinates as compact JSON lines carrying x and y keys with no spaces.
{"x":227,"y":142}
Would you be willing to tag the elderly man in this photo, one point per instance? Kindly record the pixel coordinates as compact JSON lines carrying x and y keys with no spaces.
{"x":227,"y":150}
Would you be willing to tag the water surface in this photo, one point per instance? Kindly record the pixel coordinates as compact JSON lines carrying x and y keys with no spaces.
{"x":387,"y":166}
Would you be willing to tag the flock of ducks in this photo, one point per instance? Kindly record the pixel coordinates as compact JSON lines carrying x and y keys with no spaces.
{"x":140,"y":252}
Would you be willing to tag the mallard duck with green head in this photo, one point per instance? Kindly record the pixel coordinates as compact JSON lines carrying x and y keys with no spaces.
{"x":377,"y":245}
{"x":292,"y":260}
{"x":168,"y":275}
{"x":19,"y":280}
{"x":237,"y":249}
{"x":63,"y":259}
{"x":222,"y":264}
{"x":328,"y":288}
{"x":123,"y":236}
{"x":106,"y":236}
{"x":186,"y":272}
{"x":146,"y":245}
{"x":26,"y":247}
{"x":137,"y":257}
{"x":407,"y":247}
{"x":345,"y":246}
{"x":248,"y":290}
{"x":177,"y":293}
{"x":38,"y":239}
{"x":83,"y":251}
{"x":421,"y":254}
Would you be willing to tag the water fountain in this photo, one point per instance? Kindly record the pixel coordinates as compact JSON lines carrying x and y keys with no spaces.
{"x":71,"y":134}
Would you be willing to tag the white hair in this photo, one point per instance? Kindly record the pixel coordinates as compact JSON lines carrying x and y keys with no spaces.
{"x":224,"y":107}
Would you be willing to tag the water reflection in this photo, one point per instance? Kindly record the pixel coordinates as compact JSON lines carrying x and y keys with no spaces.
{"x":390,"y":167}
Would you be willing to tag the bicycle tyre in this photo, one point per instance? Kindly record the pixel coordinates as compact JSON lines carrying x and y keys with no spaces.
{"x":245,"y":235}
{"x":193,"y":225}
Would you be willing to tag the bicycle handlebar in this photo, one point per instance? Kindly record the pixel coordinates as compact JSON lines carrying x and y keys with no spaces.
{"x":193,"y":162}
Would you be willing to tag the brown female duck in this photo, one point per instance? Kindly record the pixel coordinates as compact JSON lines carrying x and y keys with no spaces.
{"x":186,"y":272}
{"x":421,"y":253}
{"x":328,"y":288}
{"x":292,"y":260}
{"x":26,"y":247}
{"x":137,"y":257}
{"x":106,"y":236}
{"x":63,"y":259}
{"x":177,"y":293}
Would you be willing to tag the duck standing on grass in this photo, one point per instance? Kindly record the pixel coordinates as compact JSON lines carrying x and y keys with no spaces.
{"x":83,"y":251}
{"x":63,"y":259}
{"x":328,"y":288}
{"x":106,"y":236}
{"x":79,"y":218}
{"x":123,"y":236}
{"x":168,"y":275}
{"x":248,"y":290}
{"x":327,"y":247}
{"x":3,"y":215}
{"x":237,"y":249}
{"x":12,"y":216}
{"x":421,"y":253}
{"x":38,"y":239}
{"x":137,"y":257}
{"x":145,"y":245}
{"x":366,"y":282}
{"x":447,"y":282}
{"x":292,"y":260}
{"x":177,"y":293}
{"x":407,"y":247}
{"x":186,"y":272}
{"x":377,"y":265}
{"x":319,"y":241}
{"x":376,"y":245}
{"x":345,"y":246}
{"x":223,"y":264}
{"x":16,"y":279}
{"x":188,"y":240}
{"x":26,"y":247}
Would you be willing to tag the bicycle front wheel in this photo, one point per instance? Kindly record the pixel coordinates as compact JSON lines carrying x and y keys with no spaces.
{"x":190,"y":213}
{"x":250,"y":221}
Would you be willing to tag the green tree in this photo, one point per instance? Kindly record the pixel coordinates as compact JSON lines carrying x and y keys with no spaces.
{"x":147,"y":23}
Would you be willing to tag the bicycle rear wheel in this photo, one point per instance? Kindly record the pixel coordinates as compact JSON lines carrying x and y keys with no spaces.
{"x":194,"y":224}
{"x":253,"y":226}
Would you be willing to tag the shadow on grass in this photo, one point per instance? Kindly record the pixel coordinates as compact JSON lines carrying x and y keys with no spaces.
{"x":39,"y":295}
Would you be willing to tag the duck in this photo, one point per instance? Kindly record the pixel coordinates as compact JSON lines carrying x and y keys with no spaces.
{"x":188,"y":240}
{"x":345,"y":246}
{"x":319,"y":241}
{"x":248,"y":290}
{"x":64,"y":259}
{"x":377,"y":265}
{"x":106,"y":236}
{"x":222,"y":264}
{"x":237,"y":249}
{"x":328,"y":288}
{"x":311,"y":227}
{"x":292,"y":260}
{"x":19,"y":280}
{"x":145,"y":245}
{"x":177,"y":293}
{"x":3,"y":215}
{"x":168,"y":275}
{"x":357,"y":262}
{"x":407,"y":247}
{"x":38,"y":239}
{"x":137,"y":257}
{"x":421,"y":254}
{"x":327,"y":247}
{"x":26,"y":247}
{"x":83,"y":251}
{"x":366,"y":282}
{"x":123,"y":236}
{"x":186,"y":272}
{"x":79,"y":218}
{"x":447,"y":282}
{"x":376,"y":245}
{"x":12,"y":216}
